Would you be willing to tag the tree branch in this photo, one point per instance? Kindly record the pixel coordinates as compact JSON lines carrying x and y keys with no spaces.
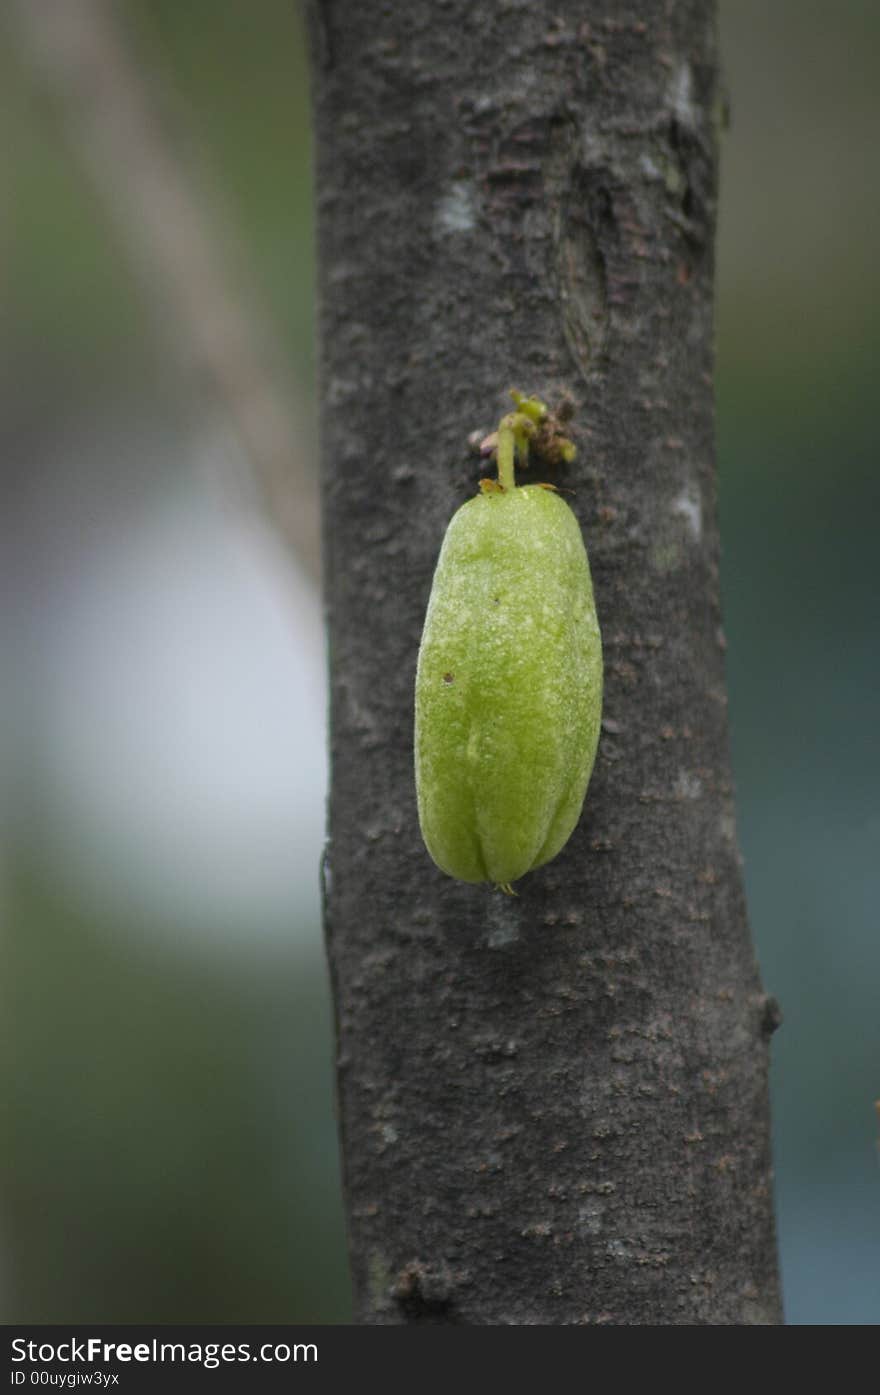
{"x":553,"y":1107}
{"x":178,"y":244}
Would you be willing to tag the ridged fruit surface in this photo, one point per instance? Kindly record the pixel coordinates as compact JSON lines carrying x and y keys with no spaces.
{"x":508,"y":687}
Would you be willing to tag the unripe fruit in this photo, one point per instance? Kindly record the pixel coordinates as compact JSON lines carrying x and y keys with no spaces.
{"x":508,"y":685}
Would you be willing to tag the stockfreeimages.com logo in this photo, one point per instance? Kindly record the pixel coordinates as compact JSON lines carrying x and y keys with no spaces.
{"x":89,"y":1350}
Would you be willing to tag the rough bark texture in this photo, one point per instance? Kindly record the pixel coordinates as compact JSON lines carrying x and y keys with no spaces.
{"x":553,"y":1108}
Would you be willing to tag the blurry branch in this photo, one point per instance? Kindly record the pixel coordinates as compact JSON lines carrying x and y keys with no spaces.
{"x":176,"y":240}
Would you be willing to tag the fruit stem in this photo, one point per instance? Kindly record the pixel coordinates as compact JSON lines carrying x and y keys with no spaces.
{"x":529,"y":423}
{"x":506,"y":451}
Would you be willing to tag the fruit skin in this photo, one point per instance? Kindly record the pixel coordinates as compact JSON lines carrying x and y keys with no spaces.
{"x":508,"y":687}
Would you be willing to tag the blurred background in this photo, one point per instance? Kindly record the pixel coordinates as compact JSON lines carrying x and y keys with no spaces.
{"x":169,"y":1149}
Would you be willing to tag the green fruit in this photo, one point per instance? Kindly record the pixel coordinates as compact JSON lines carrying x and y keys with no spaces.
{"x":509,"y":685}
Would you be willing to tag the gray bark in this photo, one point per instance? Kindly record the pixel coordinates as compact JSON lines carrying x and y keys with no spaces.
{"x":553,"y":1108}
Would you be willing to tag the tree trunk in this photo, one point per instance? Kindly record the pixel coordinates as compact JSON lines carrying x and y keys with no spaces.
{"x":553,"y":1107}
